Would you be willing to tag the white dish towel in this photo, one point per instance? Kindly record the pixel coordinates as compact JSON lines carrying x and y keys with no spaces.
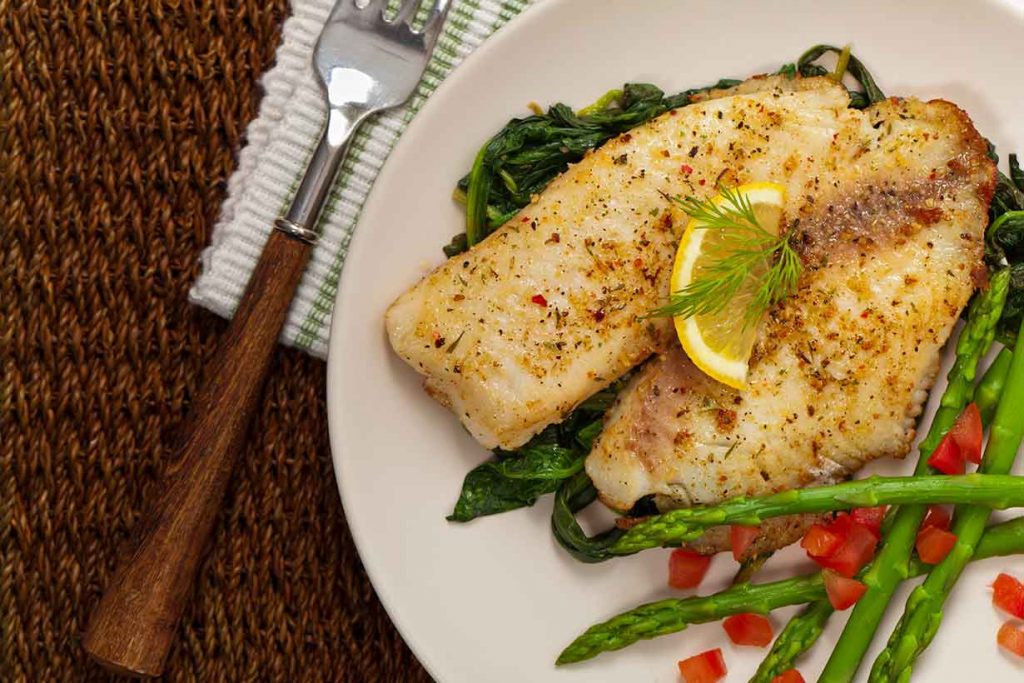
{"x":280,"y":140}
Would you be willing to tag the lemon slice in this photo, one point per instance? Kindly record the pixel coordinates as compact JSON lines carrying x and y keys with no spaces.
{"x":720,"y":343}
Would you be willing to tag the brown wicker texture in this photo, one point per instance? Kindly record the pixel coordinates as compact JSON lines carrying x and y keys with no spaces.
{"x":120,"y":124}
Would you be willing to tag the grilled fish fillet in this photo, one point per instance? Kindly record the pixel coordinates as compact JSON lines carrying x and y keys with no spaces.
{"x":515,"y":333}
{"x":890,"y":228}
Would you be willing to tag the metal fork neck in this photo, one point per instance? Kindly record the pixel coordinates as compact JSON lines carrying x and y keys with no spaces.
{"x":301,"y":219}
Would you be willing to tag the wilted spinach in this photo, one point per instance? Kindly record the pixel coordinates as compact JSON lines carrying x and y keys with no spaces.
{"x":1004,"y":243}
{"x":527,"y":153}
{"x":574,"y":495}
{"x":869,"y":92}
{"x":1016,"y":174}
{"x":515,"y":479}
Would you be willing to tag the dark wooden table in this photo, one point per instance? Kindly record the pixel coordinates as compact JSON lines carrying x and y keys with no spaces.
{"x":121,"y":122}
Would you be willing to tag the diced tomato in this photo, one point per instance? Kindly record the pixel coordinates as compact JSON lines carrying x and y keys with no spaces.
{"x":870,"y":517}
{"x":840,"y":524}
{"x":1008,"y":595}
{"x":966,"y":432}
{"x":856,"y":550}
{"x":946,"y":457}
{"x":938,"y":517}
{"x":748,"y":629}
{"x":686,"y":569}
{"x":933,"y":544}
{"x":707,"y":667}
{"x":842,"y":592}
{"x":1011,"y":637}
{"x":789,"y":676}
{"x":819,"y":541}
{"x":740,"y":538}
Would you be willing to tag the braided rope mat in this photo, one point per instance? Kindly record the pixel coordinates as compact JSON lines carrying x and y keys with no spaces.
{"x":120,"y":122}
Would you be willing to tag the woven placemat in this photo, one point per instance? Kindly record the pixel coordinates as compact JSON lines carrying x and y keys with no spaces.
{"x":120,"y":123}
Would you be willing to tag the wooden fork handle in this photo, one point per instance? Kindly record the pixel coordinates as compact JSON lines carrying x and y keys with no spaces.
{"x":132,"y":628}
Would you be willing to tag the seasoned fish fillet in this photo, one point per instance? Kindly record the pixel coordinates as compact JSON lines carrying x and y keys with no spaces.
{"x":516,"y":332}
{"x":890,"y":229}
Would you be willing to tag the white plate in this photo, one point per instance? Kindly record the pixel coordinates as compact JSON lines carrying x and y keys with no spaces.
{"x":497,"y":599}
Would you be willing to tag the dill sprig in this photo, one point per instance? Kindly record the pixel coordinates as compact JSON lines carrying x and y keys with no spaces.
{"x":746,"y":255}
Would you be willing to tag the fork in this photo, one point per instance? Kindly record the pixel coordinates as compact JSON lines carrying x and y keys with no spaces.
{"x":365,"y":63}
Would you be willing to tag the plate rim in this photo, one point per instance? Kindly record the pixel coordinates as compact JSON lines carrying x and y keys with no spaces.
{"x":336,"y":344}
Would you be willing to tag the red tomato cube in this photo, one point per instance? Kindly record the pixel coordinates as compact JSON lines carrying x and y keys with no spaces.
{"x":870,"y":517}
{"x":933,"y":544}
{"x":740,"y":538}
{"x":946,"y":457}
{"x":686,"y":569}
{"x":748,"y":629}
{"x":938,"y":516}
{"x":967,"y":433}
{"x":819,"y":541}
{"x":856,"y":551}
{"x":1008,"y":595}
{"x":789,"y":676}
{"x":707,"y":667}
{"x":1011,"y":637}
{"x":840,"y":524}
{"x":842,"y":592}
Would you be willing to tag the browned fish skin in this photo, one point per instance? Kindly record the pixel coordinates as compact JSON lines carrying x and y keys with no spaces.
{"x":891,"y":234}
{"x":775,"y":533}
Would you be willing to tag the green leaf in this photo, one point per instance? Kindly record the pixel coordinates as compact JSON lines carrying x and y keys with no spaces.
{"x":480,"y":178}
{"x":869,"y":92}
{"x":601,"y":401}
{"x":1013,"y":310}
{"x":456,"y":246}
{"x":1006,"y":237}
{"x":574,"y":495}
{"x":542,"y":462}
{"x":1016,"y":174}
{"x":589,"y":434}
{"x":515,"y":480}
{"x":1007,"y":197}
{"x":1004,"y":244}
{"x":635,"y":95}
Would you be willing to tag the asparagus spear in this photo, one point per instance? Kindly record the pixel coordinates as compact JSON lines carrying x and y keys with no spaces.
{"x":987,"y":393}
{"x":805,"y":627}
{"x":669,"y":616}
{"x":796,"y":638}
{"x":889,"y":567}
{"x":923,"y":614}
{"x":672,"y":528}
{"x":750,"y":566}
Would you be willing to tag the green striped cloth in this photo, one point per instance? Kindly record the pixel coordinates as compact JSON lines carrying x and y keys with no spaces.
{"x":280,"y":141}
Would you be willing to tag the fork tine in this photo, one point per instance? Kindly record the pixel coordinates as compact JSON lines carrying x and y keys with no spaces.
{"x":436,"y":19}
{"x":377,"y":7}
{"x":406,"y":11}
